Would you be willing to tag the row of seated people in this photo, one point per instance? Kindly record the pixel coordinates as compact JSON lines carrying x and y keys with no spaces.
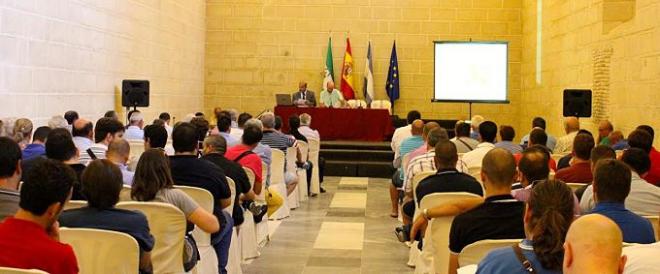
{"x":202,"y":158}
{"x":612,"y":188}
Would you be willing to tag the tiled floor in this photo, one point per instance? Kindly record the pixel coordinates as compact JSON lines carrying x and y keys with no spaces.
{"x":346,"y":230}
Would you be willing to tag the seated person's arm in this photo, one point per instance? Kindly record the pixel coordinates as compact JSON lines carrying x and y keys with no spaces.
{"x":224,"y":203}
{"x":145,"y":262}
{"x":299,"y":155}
{"x":249,"y":196}
{"x":453,"y":263}
{"x":204,"y":220}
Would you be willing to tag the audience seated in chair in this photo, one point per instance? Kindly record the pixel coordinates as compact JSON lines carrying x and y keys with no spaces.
{"x":617,"y":142}
{"x":539,"y":123}
{"x":474,"y":126}
{"x":653,"y":176}
{"x":537,"y":137}
{"x":565,"y":143}
{"x":507,"y":133}
{"x":60,"y":147}
{"x":463,"y":142}
{"x":10,"y":176}
{"x":534,"y":170}
{"x":612,"y":179}
{"x":548,"y":215}
{"x":215,"y":147}
{"x":404,"y":132}
{"x":407,"y":145}
{"x":165,"y":117}
{"x":579,"y":170}
{"x":30,"y":239}
{"x":278,"y":140}
{"x":102,"y":181}
{"x":83,"y":134}
{"x":487,"y":135}
{"x":224,"y":129}
{"x":644,"y":198}
{"x":424,"y":148}
{"x":118,"y":153}
{"x":593,"y":245}
{"x":134,"y":130}
{"x":305,"y":129}
{"x":155,"y":136}
{"x":237,"y":131}
{"x":38,"y":146}
{"x":105,"y":131}
{"x":188,"y":170}
{"x":153,"y":183}
{"x":642,"y":258}
{"x":605,"y":128}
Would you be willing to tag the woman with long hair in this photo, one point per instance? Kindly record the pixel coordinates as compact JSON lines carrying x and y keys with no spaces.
{"x":22,"y":132}
{"x":153,"y":182}
{"x":548,"y":215}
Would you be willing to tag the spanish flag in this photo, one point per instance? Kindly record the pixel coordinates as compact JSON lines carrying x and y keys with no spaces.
{"x":346,"y":88}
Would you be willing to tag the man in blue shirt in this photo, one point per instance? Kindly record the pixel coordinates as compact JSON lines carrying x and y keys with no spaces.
{"x":407,"y":145}
{"x":38,"y":146}
{"x":612,"y":179}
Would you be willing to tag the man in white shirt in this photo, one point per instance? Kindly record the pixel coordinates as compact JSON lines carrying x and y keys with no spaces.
{"x":305,"y":130}
{"x":565,"y":143}
{"x":105,"y":131}
{"x":83,"y":134}
{"x":238,"y":131}
{"x":224,"y":128}
{"x":166,"y":118}
{"x":642,"y":259}
{"x":487,"y":135}
{"x":403,"y":132}
{"x":134,"y":130}
{"x":644,"y":198}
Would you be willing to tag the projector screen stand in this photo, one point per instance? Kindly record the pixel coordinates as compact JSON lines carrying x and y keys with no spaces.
{"x":470,"y":110}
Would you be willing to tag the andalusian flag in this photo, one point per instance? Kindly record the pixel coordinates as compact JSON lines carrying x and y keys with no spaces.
{"x":347,"y":74}
{"x":329,"y":68}
{"x":368,"y":88}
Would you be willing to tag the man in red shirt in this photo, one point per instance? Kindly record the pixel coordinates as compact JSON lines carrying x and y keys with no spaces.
{"x":580,"y":169}
{"x":653,"y":175}
{"x":30,"y":239}
{"x":243,"y":153}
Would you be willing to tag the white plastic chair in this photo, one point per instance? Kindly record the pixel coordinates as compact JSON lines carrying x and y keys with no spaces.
{"x":125,"y":194}
{"x":356,"y":103}
{"x":74,"y":204}
{"x":168,"y":226}
{"x":655,"y":223}
{"x":435,"y":253}
{"x":291,"y":167}
{"x":102,"y":251}
{"x":475,"y":171}
{"x":575,"y":186}
{"x":314,"y":148}
{"x":208,"y":262}
{"x":475,"y":252}
{"x":137,"y":148}
{"x":262,"y":231}
{"x":234,"y":259}
{"x":277,"y":184}
{"x":382,"y":104}
{"x":302,"y":173}
{"x":247,"y":234}
{"x":415,"y":181}
{"x":9,"y":270}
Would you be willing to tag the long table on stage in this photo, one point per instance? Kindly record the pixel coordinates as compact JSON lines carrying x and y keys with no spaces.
{"x":343,"y":123}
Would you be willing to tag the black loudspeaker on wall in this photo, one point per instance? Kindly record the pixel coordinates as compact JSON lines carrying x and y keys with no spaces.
{"x":135,"y":93}
{"x":577,"y":102}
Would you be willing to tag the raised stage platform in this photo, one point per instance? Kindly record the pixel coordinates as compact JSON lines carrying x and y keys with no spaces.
{"x":357,"y":159}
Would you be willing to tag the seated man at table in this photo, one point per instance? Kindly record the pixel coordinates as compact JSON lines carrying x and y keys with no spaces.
{"x":304,"y":97}
{"x":331,"y":97}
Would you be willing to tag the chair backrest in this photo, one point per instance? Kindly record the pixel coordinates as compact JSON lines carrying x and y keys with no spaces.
{"x":474,"y":252}
{"x":291,"y":154}
{"x":73,"y":204}
{"x":382,"y":104}
{"x":655,"y":223}
{"x":575,"y":186}
{"x":277,"y":167}
{"x":137,"y":148}
{"x":304,"y":149}
{"x":437,"y":232}
{"x":232,"y":188}
{"x":102,"y":251}
{"x":125,"y":194}
{"x":415,"y":181}
{"x":264,"y":174}
{"x":168,"y":226}
{"x":9,"y":270}
{"x":204,"y":199}
{"x":356,"y":103}
{"x":475,"y":171}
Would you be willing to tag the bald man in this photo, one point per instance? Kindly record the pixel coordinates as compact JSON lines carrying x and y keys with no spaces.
{"x":593,"y":245}
{"x":304,"y":97}
{"x":407,"y":145}
{"x":331,"y":97}
{"x":118,"y":153}
{"x":605,"y":127}
{"x":425,"y":136}
{"x":565,"y":143}
{"x":83,"y":134}
{"x":499,"y":217}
